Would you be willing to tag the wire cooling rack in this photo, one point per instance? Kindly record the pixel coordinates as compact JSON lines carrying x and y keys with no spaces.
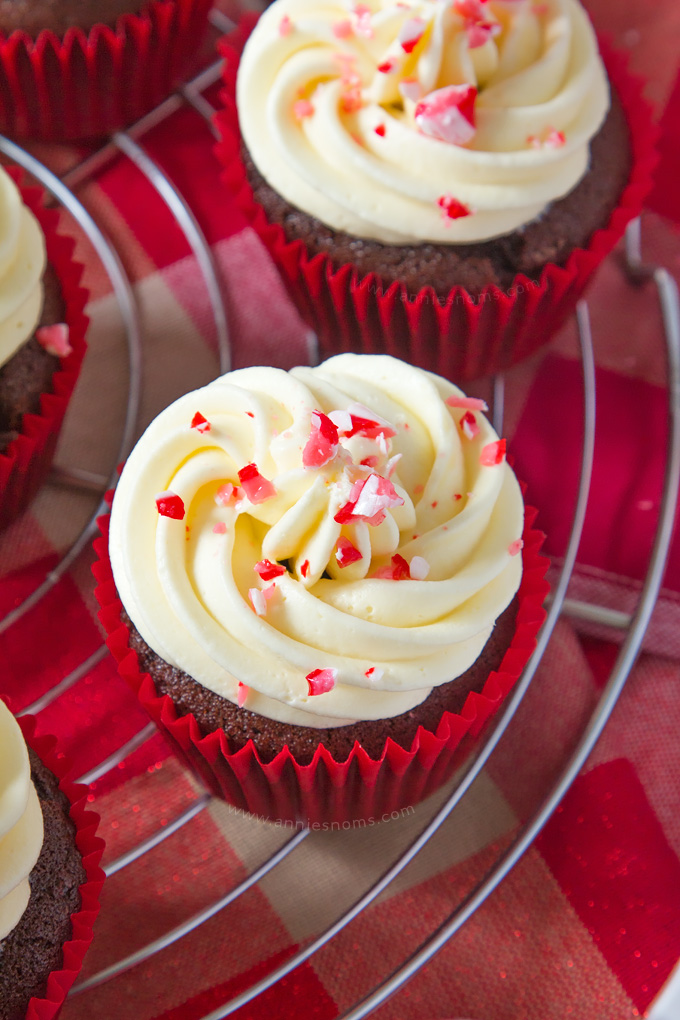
{"x":434,"y":818}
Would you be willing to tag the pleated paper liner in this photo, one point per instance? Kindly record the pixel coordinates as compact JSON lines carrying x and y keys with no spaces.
{"x":463,"y":337}
{"x":329,"y":792}
{"x":91,"y":848}
{"x":88,"y":84}
{"x":26,"y":460}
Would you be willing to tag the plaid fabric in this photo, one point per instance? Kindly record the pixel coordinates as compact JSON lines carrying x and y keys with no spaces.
{"x":588,"y":924}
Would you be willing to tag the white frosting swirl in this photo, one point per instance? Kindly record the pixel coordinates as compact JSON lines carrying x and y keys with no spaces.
{"x":187,"y":582}
{"x":330,"y":124}
{"x":21,"y":824}
{"x":22,"y":263}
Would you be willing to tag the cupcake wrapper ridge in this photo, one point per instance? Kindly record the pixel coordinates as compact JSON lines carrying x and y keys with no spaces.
{"x":88,"y":84}
{"x":327,"y":793}
{"x":91,"y":848}
{"x":463,"y":337}
{"x":26,"y":460}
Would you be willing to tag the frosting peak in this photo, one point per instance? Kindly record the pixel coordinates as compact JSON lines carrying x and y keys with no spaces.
{"x":22,"y":263}
{"x":337,"y":540}
{"x":368,"y":115}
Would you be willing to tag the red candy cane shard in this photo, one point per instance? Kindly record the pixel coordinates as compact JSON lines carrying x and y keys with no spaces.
{"x":515,"y":547}
{"x":452,"y":208}
{"x":470,"y":403}
{"x":258,"y":601}
{"x":256,"y":487}
{"x":492,"y":453}
{"x":386,"y":66}
{"x":398,"y":570}
{"x":469,"y":426}
{"x":380,"y":130}
{"x":200,"y":423}
{"x":304,"y":569}
{"x":285,"y":26}
{"x":220,"y":528}
{"x":321,"y":681}
{"x":322,"y":444}
{"x":448,"y":114}
{"x":268,"y":570}
{"x":346,"y":552}
{"x":410,"y":34}
{"x":169,"y":504}
{"x":302,"y":108}
{"x":242,"y":694}
{"x":374,"y":673}
{"x":54,"y":339}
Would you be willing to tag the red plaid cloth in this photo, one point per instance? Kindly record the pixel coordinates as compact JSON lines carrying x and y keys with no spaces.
{"x":588,"y":924}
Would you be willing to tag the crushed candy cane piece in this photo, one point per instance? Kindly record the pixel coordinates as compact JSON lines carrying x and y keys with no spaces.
{"x":342,"y":29}
{"x":366,"y":423}
{"x":373,"y":673}
{"x":200,"y":423}
{"x":452,"y":208}
{"x":322,"y":444}
{"x":492,"y":454}
{"x":285,"y":26}
{"x":258,"y":601}
{"x":419,"y":568}
{"x":304,"y":568}
{"x":380,"y":130}
{"x":457,"y":496}
{"x":515,"y":546}
{"x":410,"y":34}
{"x":479,"y":27}
{"x":448,"y":114}
{"x":302,"y":108}
{"x":350,"y":100}
{"x":346,"y":552}
{"x":171,"y":505}
{"x":391,"y":465}
{"x":256,"y":487}
{"x":377,"y":493}
{"x":471,"y":403}
{"x":364,"y":25}
{"x":387,"y":66}
{"x":398,"y":570}
{"x":54,"y":339}
{"x":321,"y":681}
{"x":555,"y":139}
{"x":220,"y":528}
{"x":227,"y":493}
{"x":469,"y":426}
{"x":342,"y":420}
{"x":242,"y":694}
{"x":409,"y":88}
{"x":268,"y":570}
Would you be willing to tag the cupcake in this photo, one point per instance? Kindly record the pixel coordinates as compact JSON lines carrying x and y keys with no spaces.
{"x":434,"y":180}
{"x":49,"y":876}
{"x":42,"y":339}
{"x":81,"y":68}
{"x":321,"y":582}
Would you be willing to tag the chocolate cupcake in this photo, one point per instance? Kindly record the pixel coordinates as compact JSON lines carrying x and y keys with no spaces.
{"x":42,"y":339}
{"x":328,"y":588}
{"x":435,"y":180}
{"x":81,"y":69}
{"x":49,"y":879}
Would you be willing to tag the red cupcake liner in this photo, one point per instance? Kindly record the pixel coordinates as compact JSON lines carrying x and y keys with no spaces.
{"x":26,"y":460}
{"x":91,"y":848}
{"x":463,"y":337}
{"x":329,"y":793}
{"x":88,"y":84}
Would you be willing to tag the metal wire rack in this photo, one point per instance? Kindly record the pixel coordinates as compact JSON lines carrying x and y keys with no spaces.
{"x":130,"y":144}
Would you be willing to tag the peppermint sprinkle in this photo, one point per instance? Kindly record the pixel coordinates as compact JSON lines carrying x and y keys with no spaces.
{"x":380,"y":130}
{"x":171,"y":505}
{"x":451,"y":208}
{"x":448,"y":114}
{"x":321,"y":681}
{"x":419,"y":568}
{"x":410,"y":34}
{"x":515,"y":546}
{"x":492,"y":454}
{"x":200,"y":423}
{"x":342,"y":29}
{"x":470,"y":403}
{"x":398,"y":570}
{"x":54,"y":339}
{"x":242,"y":694}
{"x":322,"y":444}
{"x":387,"y":66}
{"x":285,"y":26}
{"x":258,"y":601}
{"x":227,"y":493}
{"x":268,"y":570}
{"x":374,"y":673}
{"x":257,"y":488}
{"x":220,"y":528}
{"x":469,"y":426}
{"x":346,"y":552}
{"x":409,"y":88}
{"x":304,"y":569}
{"x":302,"y":108}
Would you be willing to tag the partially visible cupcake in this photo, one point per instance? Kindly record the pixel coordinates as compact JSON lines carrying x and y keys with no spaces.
{"x":42,"y":339}
{"x":81,"y":69}
{"x":436,"y":180}
{"x":49,"y":875}
{"x":327,"y":582}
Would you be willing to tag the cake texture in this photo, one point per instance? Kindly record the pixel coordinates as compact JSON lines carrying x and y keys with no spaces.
{"x":428,"y":175}
{"x":315,"y":561}
{"x":81,"y":69}
{"x":49,"y":878}
{"x":42,"y":339}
